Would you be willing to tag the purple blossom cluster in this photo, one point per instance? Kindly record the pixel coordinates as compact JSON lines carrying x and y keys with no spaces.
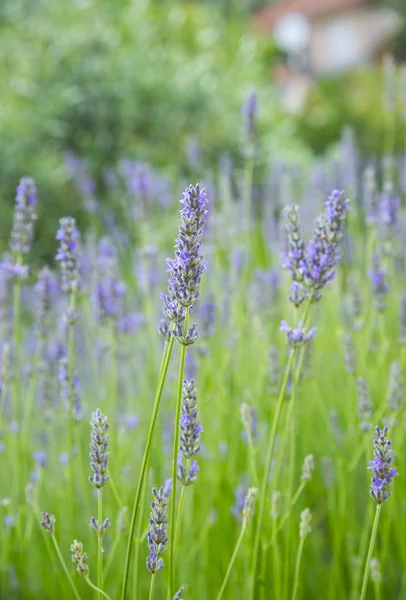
{"x":69,"y":393}
{"x":249,"y":111}
{"x":189,"y":438}
{"x":313,"y":268}
{"x":45,"y":288}
{"x":99,"y":455}
{"x":68,"y":255}
{"x":297,"y":336}
{"x":379,"y":285}
{"x":110,"y":289}
{"x":187,"y":266}
{"x":22,"y":232}
{"x":157,"y":535}
{"x":381,"y":466}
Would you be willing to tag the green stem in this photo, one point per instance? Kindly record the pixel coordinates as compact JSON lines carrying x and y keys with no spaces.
{"x":70,"y":371}
{"x":179,"y":517}
{"x":138,"y":541}
{"x":268,"y":459}
{"x":370,"y":552}
{"x":99,"y":542}
{"x":251,"y":452}
{"x":174,"y":459}
{"x":65,"y":568}
{"x":32,"y":383}
{"x":297,"y":569}
{"x":100,"y":592}
{"x":152,"y":587}
{"x":247,"y":189}
{"x":232,"y":561}
{"x":292,"y":460}
{"x":269,"y":454}
{"x":145,"y":458}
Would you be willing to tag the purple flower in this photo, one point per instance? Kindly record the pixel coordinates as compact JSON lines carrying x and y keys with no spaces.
{"x":22,"y":232}
{"x":389,"y":206}
{"x":131,"y":421}
{"x":157,"y":536}
{"x":249,"y":110}
{"x":190,"y":430}
{"x":40,"y":458}
{"x":377,"y":276}
{"x":297,"y":336}
{"x":99,"y":455}
{"x":364,"y":404}
{"x":45,"y":289}
{"x":67,"y":255}
{"x":14,"y":271}
{"x":187,"y":266}
{"x":313,"y":268}
{"x":381,"y":466}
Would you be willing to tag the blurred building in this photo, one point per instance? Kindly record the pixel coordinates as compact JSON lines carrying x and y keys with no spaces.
{"x":328,"y":36}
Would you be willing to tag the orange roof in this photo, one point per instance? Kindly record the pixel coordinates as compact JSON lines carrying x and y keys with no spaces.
{"x":265,"y":19}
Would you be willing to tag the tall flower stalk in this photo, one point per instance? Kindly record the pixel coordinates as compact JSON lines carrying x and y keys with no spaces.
{"x":99,"y":458}
{"x":304,"y":529}
{"x":190,"y":430}
{"x":185,"y":269}
{"x":68,"y":257}
{"x":21,"y":239}
{"x":246,"y":515}
{"x":383,"y":473}
{"x":311,"y":270}
{"x":48,"y":523}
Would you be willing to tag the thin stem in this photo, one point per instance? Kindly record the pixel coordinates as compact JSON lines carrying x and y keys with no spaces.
{"x":179,"y":517}
{"x":370,"y":552}
{"x":251,"y":452}
{"x":29,"y":400}
{"x":297,"y":569}
{"x":292,"y":459}
{"x":152,"y":587}
{"x":247,"y":189}
{"x":232,"y":561}
{"x":138,"y":541}
{"x":70,"y":371}
{"x":99,"y":542}
{"x":100,"y":592}
{"x":65,"y":568}
{"x":175,"y":457}
{"x":269,"y":454}
{"x":161,"y":382}
{"x":268,"y":459}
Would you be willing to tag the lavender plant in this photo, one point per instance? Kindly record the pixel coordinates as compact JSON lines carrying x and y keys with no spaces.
{"x":383,"y":473}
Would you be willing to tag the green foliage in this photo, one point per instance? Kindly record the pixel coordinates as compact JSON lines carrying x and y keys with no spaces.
{"x":356,"y":99}
{"x":107,"y":80}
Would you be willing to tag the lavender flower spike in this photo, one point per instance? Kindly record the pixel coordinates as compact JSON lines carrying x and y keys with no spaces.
{"x":381,"y":466}
{"x":187,"y":266}
{"x":295,"y":259}
{"x":297,"y":336}
{"x":99,"y":457}
{"x":322,"y":253}
{"x":379,"y":285}
{"x":249,"y":505}
{"x":157,"y":536}
{"x":79,"y":557}
{"x":190,"y":430}
{"x":23,"y":226}
{"x":67,"y":254}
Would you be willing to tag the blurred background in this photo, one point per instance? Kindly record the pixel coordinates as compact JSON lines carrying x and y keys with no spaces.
{"x":107,"y":100}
